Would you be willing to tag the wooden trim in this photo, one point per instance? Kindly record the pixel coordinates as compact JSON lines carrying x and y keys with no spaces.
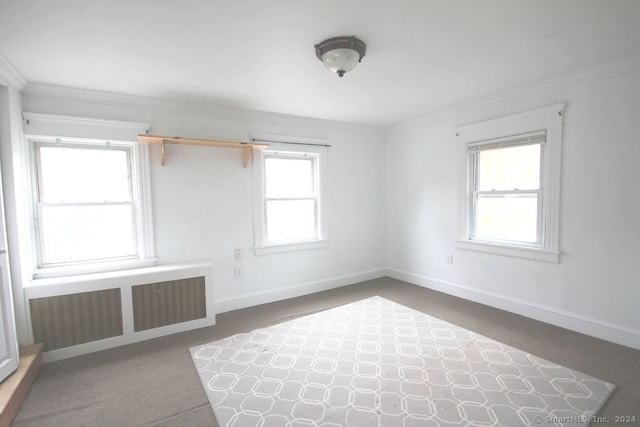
{"x":13,"y":391}
{"x":245,"y":146}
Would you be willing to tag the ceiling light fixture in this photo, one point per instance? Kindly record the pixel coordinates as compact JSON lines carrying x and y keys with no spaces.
{"x":341,"y":54}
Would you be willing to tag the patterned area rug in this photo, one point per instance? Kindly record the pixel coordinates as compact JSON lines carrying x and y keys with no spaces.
{"x":378,"y":363}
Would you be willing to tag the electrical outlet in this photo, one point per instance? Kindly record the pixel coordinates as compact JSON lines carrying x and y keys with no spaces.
{"x":450,"y":259}
{"x":238,"y":271}
{"x":237,"y":254}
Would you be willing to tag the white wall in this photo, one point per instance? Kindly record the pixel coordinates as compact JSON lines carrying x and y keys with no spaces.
{"x":202,"y":197}
{"x":594,"y":289}
{"x":203,"y":208}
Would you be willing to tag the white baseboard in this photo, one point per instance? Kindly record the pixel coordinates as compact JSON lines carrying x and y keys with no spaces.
{"x":586,"y":325}
{"x":256,"y":298}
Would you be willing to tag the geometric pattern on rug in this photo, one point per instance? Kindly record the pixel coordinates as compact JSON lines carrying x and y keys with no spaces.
{"x":378,"y":363}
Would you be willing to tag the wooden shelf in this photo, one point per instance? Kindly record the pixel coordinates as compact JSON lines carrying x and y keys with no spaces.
{"x":247,"y":148}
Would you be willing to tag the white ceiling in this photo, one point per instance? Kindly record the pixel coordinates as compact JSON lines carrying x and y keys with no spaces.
{"x":422,"y":55}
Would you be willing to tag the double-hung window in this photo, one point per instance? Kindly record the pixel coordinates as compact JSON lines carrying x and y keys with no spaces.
{"x":507,"y":204}
{"x":509,"y":192}
{"x":291,"y":197}
{"x":289,"y":202}
{"x":88,"y":206}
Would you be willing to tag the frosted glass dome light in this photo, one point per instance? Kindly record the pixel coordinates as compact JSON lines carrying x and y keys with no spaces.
{"x":341,"y":54}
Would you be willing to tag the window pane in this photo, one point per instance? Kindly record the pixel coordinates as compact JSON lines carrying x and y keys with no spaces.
{"x":83,"y":175}
{"x":509,"y":168}
{"x":81,"y":233}
{"x":286,"y":177}
{"x":513,"y":217}
{"x":290,"y":220}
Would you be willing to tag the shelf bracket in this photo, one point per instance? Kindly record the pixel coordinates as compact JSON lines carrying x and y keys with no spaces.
{"x":246,"y":156}
{"x":162,"y":153}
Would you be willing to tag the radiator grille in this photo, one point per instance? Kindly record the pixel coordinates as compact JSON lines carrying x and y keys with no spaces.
{"x":167,"y":303}
{"x":66,"y":320}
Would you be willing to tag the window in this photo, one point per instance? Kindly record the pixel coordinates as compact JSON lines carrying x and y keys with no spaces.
{"x":289,"y":202}
{"x":507,"y":203}
{"x":89,"y":206}
{"x":511,"y":185}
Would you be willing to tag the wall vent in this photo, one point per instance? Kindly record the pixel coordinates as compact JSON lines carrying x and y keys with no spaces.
{"x":65,"y":320}
{"x":168,"y":303}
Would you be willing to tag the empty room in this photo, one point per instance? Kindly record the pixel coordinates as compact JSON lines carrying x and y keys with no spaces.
{"x":319,"y":213}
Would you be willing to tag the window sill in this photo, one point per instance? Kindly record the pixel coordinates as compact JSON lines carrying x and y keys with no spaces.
{"x":54,"y":286}
{"x":290,"y":247}
{"x":76,"y":270}
{"x":511,"y":251}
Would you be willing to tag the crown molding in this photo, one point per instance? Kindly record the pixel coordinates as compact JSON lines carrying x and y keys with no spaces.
{"x":604,"y":70}
{"x":39,"y":125}
{"x":10,"y":74}
{"x":88,"y":121}
{"x":184,"y":106}
{"x":599,"y":71}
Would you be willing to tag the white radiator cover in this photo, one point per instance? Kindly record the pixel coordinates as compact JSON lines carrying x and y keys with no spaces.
{"x":125,"y":281}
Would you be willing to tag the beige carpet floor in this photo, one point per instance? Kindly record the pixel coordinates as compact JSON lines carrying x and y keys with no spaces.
{"x":155,"y":383}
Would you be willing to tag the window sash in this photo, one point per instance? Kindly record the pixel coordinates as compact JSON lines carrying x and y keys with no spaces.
{"x":43,"y":260}
{"x":40,"y":185}
{"x":315,"y":197}
{"x":312,"y":159}
{"x":314,"y":236}
{"x":504,"y":194}
{"x":474,"y":149}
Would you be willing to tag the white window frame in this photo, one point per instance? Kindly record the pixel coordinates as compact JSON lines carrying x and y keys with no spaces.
{"x":293,"y":148}
{"x":141,"y":196}
{"x":547,"y":120}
